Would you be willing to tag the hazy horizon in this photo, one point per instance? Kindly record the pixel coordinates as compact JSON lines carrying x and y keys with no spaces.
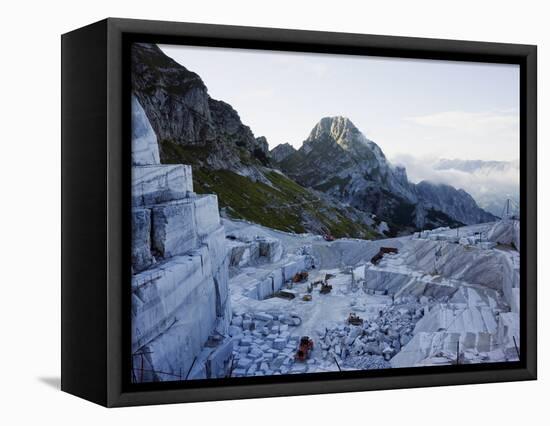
{"x":423,"y":108}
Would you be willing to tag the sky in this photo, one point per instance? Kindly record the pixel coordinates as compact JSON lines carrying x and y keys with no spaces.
{"x":410,"y":108}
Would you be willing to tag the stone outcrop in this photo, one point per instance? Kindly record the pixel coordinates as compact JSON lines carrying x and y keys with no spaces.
{"x":180,"y":296}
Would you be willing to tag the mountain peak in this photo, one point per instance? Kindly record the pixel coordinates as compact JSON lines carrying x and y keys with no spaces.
{"x":338,"y":128}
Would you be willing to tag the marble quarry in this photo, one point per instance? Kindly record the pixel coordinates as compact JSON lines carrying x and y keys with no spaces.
{"x":216,"y":298}
{"x":438,"y":301}
{"x":474,"y":313}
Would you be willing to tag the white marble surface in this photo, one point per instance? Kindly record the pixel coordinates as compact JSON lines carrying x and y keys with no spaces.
{"x":158,"y":184}
{"x":207,"y":215}
{"x":174,"y":230}
{"x":145,"y":149}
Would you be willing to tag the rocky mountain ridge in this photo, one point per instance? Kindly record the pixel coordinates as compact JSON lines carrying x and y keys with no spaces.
{"x":338,"y":159}
{"x":182,"y":112}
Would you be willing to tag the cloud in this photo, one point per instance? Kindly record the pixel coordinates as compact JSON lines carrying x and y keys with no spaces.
{"x":490,"y":186}
{"x":470,"y":121}
{"x":474,"y":135}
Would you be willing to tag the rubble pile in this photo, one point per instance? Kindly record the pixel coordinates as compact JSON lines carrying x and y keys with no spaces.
{"x":375,"y":341}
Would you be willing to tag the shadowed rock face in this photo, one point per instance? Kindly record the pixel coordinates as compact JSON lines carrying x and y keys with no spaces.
{"x":336,"y":158}
{"x":457,"y":203}
{"x":180,"y":111}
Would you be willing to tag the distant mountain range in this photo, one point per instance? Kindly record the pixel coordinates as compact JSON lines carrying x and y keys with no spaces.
{"x":338,"y":182}
{"x":491,"y":183}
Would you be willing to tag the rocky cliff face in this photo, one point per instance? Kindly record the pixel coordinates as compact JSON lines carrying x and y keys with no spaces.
{"x":456,"y":203}
{"x":181,"y":112}
{"x":337,"y":159}
{"x":180,"y":295}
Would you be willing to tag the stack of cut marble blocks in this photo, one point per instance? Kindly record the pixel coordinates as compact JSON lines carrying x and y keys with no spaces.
{"x":265,"y":346}
{"x":179,"y":262}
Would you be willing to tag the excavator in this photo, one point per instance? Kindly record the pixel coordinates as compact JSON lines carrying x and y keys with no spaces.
{"x":355,"y":319}
{"x":383,"y":250}
{"x":325,"y":286}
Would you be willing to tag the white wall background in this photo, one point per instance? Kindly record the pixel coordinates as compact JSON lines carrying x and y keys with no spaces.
{"x":30,"y":194}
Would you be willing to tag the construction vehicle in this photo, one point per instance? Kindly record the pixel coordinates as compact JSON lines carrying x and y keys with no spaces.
{"x":304,"y":349}
{"x":300,"y":277}
{"x":284,"y":294}
{"x":325,"y":288}
{"x":354,"y":319}
{"x":383,"y":250}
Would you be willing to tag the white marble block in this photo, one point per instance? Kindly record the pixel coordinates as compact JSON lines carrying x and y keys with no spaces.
{"x":174,"y":228}
{"x":169,"y":287}
{"x":145,"y":149}
{"x":219,"y":359}
{"x":159,"y":184}
{"x":217,"y":246}
{"x":271,"y":249}
{"x":141,"y":240}
{"x":505,"y":232}
{"x":277,"y":278}
{"x":293,"y":267}
{"x":207,"y":216}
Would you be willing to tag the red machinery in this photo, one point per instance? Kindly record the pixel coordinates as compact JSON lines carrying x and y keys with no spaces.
{"x":383,"y":250}
{"x":303,"y":352}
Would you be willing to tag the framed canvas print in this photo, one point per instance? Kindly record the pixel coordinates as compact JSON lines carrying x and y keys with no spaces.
{"x":253,"y":212}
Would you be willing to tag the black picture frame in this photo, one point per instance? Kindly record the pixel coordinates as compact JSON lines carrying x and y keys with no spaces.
{"x":96,"y":226}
